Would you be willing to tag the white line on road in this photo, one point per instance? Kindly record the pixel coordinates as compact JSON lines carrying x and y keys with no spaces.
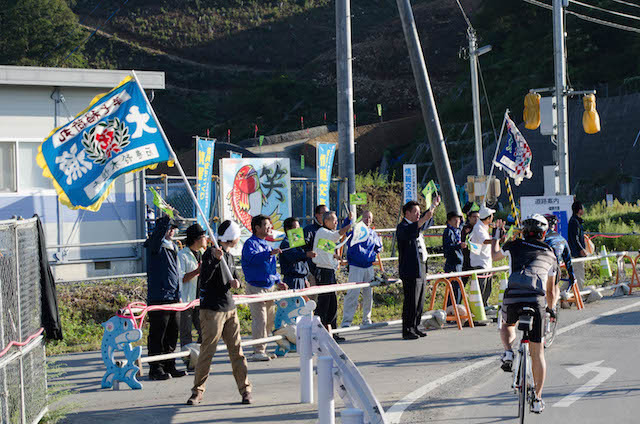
{"x":394,"y":414}
{"x":603,"y":373}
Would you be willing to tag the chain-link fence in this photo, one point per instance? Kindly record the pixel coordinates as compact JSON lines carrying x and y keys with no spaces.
{"x":22,"y":369}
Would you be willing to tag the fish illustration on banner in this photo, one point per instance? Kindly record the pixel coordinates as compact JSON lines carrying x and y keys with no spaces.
{"x":205,"y":149}
{"x":324,"y":164}
{"x":115,"y":135}
{"x":254,"y":186}
{"x":515,"y":158}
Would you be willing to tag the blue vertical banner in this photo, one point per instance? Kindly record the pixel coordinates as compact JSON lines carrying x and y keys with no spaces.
{"x":324,"y":164}
{"x":205,"y":149}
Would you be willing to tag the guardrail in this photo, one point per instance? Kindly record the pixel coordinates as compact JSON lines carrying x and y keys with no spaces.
{"x":335,"y":370}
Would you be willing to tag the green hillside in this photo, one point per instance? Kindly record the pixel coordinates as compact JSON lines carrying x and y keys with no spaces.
{"x":234,"y":64}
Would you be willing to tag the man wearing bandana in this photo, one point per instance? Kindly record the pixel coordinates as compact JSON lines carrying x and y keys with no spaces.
{"x":218,"y":315}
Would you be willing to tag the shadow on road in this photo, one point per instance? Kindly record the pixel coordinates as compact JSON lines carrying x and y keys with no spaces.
{"x":627,"y":318}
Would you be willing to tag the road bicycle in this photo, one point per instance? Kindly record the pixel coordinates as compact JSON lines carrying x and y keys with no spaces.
{"x":523,"y":383}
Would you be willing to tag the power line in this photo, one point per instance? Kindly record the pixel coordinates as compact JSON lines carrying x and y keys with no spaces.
{"x":613,"y":12}
{"x":587,"y":18}
{"x":464,"y":15}
{"x":626,"y":3}
{"x":70,"y":32}
{"x":94,"y":31}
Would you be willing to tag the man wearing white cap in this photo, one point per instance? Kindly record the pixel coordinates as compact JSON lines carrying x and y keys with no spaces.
{"x":480,"y":247}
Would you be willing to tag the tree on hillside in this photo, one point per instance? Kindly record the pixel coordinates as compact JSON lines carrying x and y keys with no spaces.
{"x":39,"y":32}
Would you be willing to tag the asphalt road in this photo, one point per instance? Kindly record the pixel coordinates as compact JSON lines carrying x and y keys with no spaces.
{"x":451,"y":376}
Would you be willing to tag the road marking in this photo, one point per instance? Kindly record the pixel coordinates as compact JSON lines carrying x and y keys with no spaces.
{"x":394,"y":414}
{"x":580,"y":371}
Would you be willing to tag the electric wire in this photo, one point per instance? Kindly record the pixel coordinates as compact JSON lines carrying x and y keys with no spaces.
{"x":464,"y":15}
{"x":587,"y":18}
{"x":626,"y":3}
{"x":613,"y":12}
{"x":94,"y":31}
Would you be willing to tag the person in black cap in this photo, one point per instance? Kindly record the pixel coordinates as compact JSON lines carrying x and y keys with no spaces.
{"x":190,"y":259}
{"x":163,"y":275}
{"x":453,"y":244}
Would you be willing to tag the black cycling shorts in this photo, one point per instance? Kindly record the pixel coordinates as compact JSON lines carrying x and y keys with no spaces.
{"x":513,"y":313}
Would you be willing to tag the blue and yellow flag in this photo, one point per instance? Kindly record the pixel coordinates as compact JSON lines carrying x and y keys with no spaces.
{"x":115,"y":135}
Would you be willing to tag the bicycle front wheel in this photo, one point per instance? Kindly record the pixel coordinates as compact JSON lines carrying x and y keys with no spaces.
{"x":522,"y":396}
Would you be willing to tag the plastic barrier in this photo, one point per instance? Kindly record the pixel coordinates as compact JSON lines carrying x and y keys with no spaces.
{"x":449,"y":295}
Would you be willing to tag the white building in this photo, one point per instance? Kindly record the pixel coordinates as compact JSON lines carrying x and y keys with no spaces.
{"x":33,"y":101}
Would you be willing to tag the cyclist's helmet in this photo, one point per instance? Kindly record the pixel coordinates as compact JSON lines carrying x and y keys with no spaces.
{"x":551,"y":219}
{"x":535,"y":226}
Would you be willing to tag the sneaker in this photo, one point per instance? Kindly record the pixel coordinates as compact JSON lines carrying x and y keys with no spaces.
{"x":537,"y":406}
{"x":338,"y":338}
{"x":507,"y":361}
{"x":259,"y":357}
{"x":195,"y":399}
{"x":246,"y":398}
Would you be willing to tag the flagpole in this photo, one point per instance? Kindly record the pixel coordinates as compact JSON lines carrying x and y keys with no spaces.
{"x":495,"y":155}
{"x":225,"y":266}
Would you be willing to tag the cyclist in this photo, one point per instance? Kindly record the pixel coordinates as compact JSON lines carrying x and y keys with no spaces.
{"x":533,"y":274}
{"x":560,"y":247}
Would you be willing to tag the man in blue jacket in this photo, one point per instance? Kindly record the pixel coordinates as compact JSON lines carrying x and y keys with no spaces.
{"x":163,"y":275}
{"x":361,"y":257}
{"x":453,"y":250}
{"x":412,"y":258}
{"x":259,"y":267}
{"x":293,"y":260}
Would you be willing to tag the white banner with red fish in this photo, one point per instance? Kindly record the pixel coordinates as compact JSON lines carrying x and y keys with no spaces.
{"x":254,"y":186}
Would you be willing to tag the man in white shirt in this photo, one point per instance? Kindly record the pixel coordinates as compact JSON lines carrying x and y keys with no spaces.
{"x":480,"y":248}
{"x":189,"y":260}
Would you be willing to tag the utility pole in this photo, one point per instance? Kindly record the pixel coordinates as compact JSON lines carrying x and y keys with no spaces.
{"x":474,"y":53}
{"x":346,"y":145}
{"x":429,"y":110}
{"x":560,"y":66}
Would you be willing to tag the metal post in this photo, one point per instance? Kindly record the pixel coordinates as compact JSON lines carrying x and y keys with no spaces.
{"x":352,"y":416}
{"x":4,"y":412}
{"x":475,"y":99}
{"x":326,"y":403}
{"x":304,"y":198}
{"x":346,"y":144}
{"x":560,"y":66}
{"x":19,"y":292}
{"x":429,"y":110}
{"x":306,"y":359}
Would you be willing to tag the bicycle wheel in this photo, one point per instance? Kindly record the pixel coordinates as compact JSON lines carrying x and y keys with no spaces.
{"x":522,"y":396}
{"x":551,"y":335}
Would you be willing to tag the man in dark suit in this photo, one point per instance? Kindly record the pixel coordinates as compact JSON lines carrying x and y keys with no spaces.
{"x":411,"y":265}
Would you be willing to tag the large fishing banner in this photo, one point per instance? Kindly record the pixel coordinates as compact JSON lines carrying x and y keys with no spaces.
{"x":115,"y":135}
{"x":324,"y":164}
{"x":254,"y":186}
{"x":205,"y":148}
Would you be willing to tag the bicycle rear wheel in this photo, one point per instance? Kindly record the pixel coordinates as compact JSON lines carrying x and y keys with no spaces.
{"x":522,"y":396}
{"x":551,"y":335}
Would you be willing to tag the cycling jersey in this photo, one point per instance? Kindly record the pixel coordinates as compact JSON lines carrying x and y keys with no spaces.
{"x":561,"y":249}
{"x":532,"y":262}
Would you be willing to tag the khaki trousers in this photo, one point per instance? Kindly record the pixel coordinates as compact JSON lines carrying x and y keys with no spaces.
{"x":215,"y":324}
{"x":262,"y":317}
